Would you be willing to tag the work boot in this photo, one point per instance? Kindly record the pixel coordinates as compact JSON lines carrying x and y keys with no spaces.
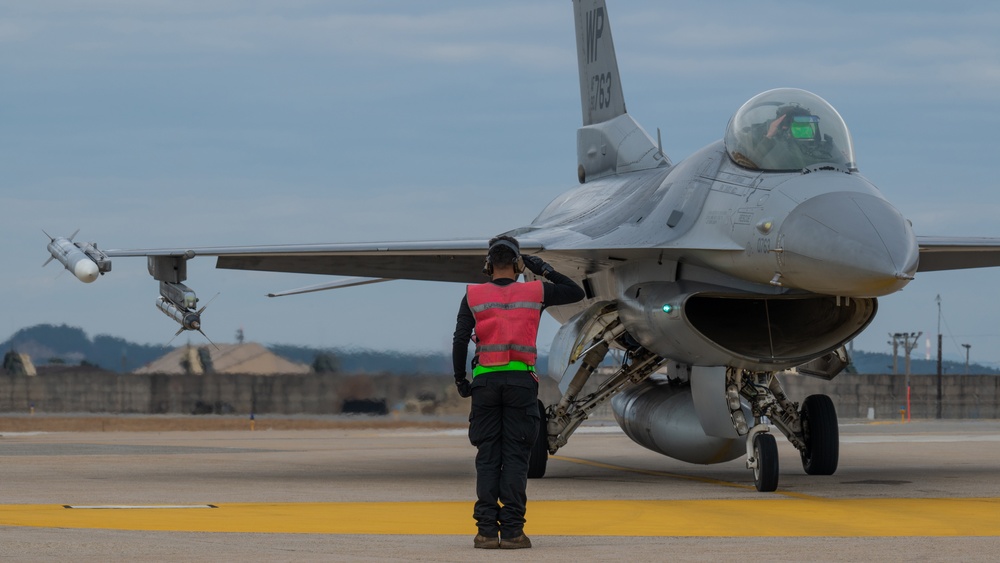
{"x":520,"y":542}
{"x":485,"y":542}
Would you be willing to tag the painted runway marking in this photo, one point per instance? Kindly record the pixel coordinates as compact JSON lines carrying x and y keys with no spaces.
{"x":138,"y":507}
{"x":784,"y":517}
{"x":919,"y":439}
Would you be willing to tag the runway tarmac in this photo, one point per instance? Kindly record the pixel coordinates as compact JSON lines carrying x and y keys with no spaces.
{"x":919,"y":491}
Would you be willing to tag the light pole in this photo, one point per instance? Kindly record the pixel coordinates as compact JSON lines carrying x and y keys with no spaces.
{"x":910,"y":341}
{"x":895,"y":351}
{"x":940,"y":372}
{"x":966,"y":346}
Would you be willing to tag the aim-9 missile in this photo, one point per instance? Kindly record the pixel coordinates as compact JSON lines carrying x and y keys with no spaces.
{"x":189,"y":320}
{"x":178,"y":302}
{"x":83,"y":260}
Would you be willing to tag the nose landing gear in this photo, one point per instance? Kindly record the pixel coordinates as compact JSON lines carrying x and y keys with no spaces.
{"x":812,"y":430}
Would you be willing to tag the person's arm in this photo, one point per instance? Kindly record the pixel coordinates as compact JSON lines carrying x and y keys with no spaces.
{"x":460,"y":341}
{"x":562,"y":290}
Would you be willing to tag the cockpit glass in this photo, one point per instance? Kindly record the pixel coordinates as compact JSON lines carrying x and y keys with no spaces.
{"x":788,"y":129}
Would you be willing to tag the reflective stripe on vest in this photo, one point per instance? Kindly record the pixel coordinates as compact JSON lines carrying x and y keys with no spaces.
{"x":507,"y":319}
{"x":506,"y":306}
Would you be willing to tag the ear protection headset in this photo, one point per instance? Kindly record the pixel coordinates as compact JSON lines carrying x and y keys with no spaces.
{"x":518,"y":261}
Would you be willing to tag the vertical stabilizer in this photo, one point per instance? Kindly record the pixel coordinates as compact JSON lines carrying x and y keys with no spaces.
{"x":610,"y":141}
{"x":600,"y":85}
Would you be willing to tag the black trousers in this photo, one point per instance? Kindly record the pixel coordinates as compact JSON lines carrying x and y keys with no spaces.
{"x":503,"y":425}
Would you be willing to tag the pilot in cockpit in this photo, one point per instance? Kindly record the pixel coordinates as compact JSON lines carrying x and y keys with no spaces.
{"x":786,"y":130}
{"x":791,"y":140}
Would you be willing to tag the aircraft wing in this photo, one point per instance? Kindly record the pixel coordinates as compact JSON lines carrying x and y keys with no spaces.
{"x":957,"y":253}
{"x":459,"y":260}
{"x":448,"y":260}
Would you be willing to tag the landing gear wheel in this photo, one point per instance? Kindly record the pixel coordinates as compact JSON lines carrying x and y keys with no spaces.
{"x":765,"y":474}
{"x":820,"y":434}
{"x":540,"y":449}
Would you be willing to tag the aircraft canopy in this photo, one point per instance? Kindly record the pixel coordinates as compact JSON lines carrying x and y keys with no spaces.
{"x":788,"y":129}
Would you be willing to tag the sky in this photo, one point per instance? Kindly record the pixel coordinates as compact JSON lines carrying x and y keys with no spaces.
{"x":170,"y":123}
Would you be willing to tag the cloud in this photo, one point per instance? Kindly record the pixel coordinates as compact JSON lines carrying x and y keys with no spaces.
{"x":58,"y":34}
{"x":898,"y":49}
{"x":190,"y":123}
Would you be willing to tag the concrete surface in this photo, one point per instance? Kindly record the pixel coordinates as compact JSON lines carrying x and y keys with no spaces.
{"x":902,"y":493}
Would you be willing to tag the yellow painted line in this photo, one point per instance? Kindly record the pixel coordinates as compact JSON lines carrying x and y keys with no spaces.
{"x":768,"y":516}
{"x":135,"y":506}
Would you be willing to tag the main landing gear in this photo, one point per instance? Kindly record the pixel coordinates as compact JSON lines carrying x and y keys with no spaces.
{"x":812,"y":430}
{"x":559,"y":421}
{"x":539,"y":458}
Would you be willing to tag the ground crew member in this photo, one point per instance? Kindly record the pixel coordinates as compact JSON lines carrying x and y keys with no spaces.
{"x":504,"y":420}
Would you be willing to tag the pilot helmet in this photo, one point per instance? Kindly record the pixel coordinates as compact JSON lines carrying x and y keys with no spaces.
{"x":799,"y":123}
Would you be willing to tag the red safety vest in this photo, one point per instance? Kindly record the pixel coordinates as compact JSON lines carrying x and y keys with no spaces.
{"x":507,"y":318}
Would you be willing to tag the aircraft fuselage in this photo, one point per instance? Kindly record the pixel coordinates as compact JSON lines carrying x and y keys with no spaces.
{"x":802,"y":255}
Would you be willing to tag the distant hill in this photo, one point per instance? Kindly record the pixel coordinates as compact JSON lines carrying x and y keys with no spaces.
{"x":47,"y":344}
{"x":370,"y":361}
{"x":50,"y":344}
{"x":873,"y":362}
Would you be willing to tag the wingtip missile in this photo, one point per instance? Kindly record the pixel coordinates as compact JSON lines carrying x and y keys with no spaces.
{"x":83,"y":260}
{"x":86,"y":270}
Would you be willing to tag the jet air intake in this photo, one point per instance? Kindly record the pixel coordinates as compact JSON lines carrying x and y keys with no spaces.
{"x":702,"y":324}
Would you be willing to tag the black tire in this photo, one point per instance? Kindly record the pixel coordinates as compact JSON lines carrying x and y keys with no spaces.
{"x":821,"y":435}
{"x":539,"y":458}
{"x":765,"y":475}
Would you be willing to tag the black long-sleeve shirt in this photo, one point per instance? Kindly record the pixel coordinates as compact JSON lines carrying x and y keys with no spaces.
{"x":562,"y":291}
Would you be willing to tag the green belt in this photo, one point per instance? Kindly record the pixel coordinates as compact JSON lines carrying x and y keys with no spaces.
{"x":512,"y":366}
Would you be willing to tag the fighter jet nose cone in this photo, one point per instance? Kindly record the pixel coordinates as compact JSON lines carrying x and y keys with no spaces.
{"x":86,"y":271}
{"x":847,"y":243}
